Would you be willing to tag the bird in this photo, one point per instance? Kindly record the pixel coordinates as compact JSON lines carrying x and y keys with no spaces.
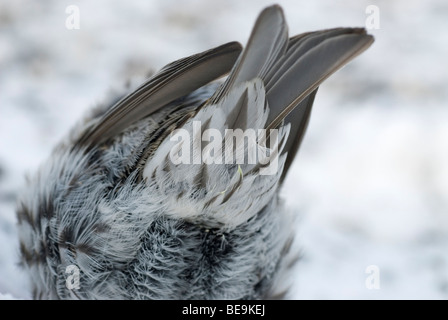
{"x":138,"y":201}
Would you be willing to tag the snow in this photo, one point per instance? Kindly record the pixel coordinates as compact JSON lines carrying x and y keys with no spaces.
{"x":370,"y":184}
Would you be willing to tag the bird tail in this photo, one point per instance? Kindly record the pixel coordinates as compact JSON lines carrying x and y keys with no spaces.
{"x":291,"y":70}
{"x":266,"y":99}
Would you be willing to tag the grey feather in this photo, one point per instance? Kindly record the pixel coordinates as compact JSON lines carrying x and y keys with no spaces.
{"x":266,"y":44}
{"x":174,"y":81}
{"x":299,"y":118}
{"x":318,"y":63}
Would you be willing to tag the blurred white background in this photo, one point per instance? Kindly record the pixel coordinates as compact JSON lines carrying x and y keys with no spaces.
{"x":370,"y":184}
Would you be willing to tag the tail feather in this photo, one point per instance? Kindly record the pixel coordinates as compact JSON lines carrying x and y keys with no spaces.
{"x":300,"y":117}
{"x":310,"y":68}
{"x":267,"y":43}
{"x":174,"y":81}
{"x":291,"y":70}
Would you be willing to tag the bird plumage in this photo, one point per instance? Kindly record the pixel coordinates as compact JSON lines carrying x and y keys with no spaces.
{"x":111,"y":202}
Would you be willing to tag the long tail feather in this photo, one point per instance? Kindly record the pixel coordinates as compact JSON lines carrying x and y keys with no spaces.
{"x":291,"y":70}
